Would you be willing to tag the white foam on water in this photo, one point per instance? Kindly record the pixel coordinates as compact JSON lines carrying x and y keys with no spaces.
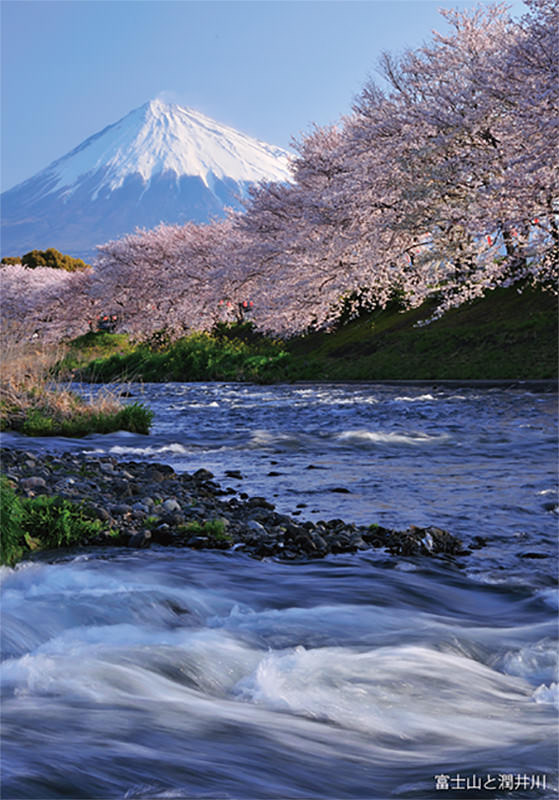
{"x":74,"y":581}
{"x":537,"y":663}
{"x":327,"y":399}
{"x":401,"y":697}
{"x":321,"y":624}
{"x":547,"y":694}
{"x":112,"y":663}
{"x":151,"y":450}
{"x":428,"y":398}
{"x":495,"y":576}
{"x":265,"y":438}
{"x":419,"y":399}
{"x":405,"y":566}
{"x":390,"y":437}
{"x":133,"y":640}
{"x":41,"y":601}
{"x":415,"y":694}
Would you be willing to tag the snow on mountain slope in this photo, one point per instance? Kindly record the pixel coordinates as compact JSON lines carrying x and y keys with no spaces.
{"x":160,"y":137}
{"x":161,"y":162}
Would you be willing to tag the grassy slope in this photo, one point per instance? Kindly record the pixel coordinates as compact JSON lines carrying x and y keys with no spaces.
{"x":89,"y":347}
{"x":505,"y":335}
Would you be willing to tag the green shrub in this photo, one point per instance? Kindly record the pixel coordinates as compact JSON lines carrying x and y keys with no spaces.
{"x":135,"y":418}
{"x":54,"y":259}
{"x":12,"y":543}
{"x":9,"y":260}
{"x":214,"y":528}
{"x":198,"y":357}
{"x":158,"y":341}
{"x":39,"y":523}
{"x":85,"y":349}
{"x":238,"y":331}
{"x":56,"y":522}
{"x":38,"y":424}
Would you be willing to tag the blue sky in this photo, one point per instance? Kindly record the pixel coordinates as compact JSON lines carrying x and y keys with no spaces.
{"x":269,"y":68}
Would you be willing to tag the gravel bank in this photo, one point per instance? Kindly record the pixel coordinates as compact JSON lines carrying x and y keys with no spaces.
{"x":144,"y":503}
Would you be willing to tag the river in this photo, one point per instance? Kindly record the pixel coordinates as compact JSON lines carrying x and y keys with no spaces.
{"x":189,"y":674}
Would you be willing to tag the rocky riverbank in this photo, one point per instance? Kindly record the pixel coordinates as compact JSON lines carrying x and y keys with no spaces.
{"x":141,"y":504}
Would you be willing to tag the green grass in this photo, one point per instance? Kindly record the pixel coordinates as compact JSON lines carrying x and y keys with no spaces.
{"x":63,"y":413}
{"x":33,"y":401}
{"x":198,"y":357}
{"x":506,"y":335}
{"x":40,"y":523}
{"x":85,"y":349}
{"x":214,"y":529}
{"x":135,"y":418}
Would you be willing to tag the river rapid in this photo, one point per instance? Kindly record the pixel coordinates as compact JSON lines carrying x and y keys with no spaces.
{"x":173,"y":673}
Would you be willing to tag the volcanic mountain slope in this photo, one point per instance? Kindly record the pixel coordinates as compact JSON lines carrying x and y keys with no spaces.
{"x":160,"y":163}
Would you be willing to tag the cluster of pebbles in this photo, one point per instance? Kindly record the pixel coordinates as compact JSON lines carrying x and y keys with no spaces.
{"x":143,"y":503}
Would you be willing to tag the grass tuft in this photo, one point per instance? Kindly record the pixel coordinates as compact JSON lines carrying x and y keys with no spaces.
{"x":40,"y":523}
{"x":35,"y":404}
{"x":87,"y":348}
{"x":214,"y":528}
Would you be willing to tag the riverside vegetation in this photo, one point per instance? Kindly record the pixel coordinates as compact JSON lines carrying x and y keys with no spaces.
{"x":68,"y":500}
{"x":509,"y":334}
{"x":32,"y":402}
{"x":42,"y":522}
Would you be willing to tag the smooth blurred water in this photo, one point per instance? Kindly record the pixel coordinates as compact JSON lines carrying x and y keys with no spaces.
{"x":176,"y":673}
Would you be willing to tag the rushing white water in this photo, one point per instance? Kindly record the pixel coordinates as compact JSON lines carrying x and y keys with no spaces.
{"x":176,"y":673}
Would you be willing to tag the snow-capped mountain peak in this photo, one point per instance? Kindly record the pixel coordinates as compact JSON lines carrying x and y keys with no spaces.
{"x":162,"y":137}
{"x":160,"y":163}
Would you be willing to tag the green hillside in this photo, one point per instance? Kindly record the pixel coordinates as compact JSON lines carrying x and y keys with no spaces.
{"x":506,"y":335}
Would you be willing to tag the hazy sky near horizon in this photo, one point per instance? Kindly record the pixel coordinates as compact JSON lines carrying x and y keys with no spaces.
{"x":270,"y":68}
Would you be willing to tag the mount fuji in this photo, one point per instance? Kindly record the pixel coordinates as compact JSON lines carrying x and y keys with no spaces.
{"x":159,"y":163}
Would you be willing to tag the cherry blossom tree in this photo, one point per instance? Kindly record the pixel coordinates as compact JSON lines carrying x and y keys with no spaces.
{"x":525,"y":80}
{"x":172,"y":277}
{"x":414,"y":192}
{"x":443,"y":182}
{"x":52,"y":304}
{"x":295,"y":240}
{"x":447,"y":131}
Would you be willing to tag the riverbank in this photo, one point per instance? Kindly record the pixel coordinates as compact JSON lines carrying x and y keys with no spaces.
{"x":140,"y":504}
{"x":508,"y":335}
{"x":35,"y":404}
{"x":504,"y":336}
